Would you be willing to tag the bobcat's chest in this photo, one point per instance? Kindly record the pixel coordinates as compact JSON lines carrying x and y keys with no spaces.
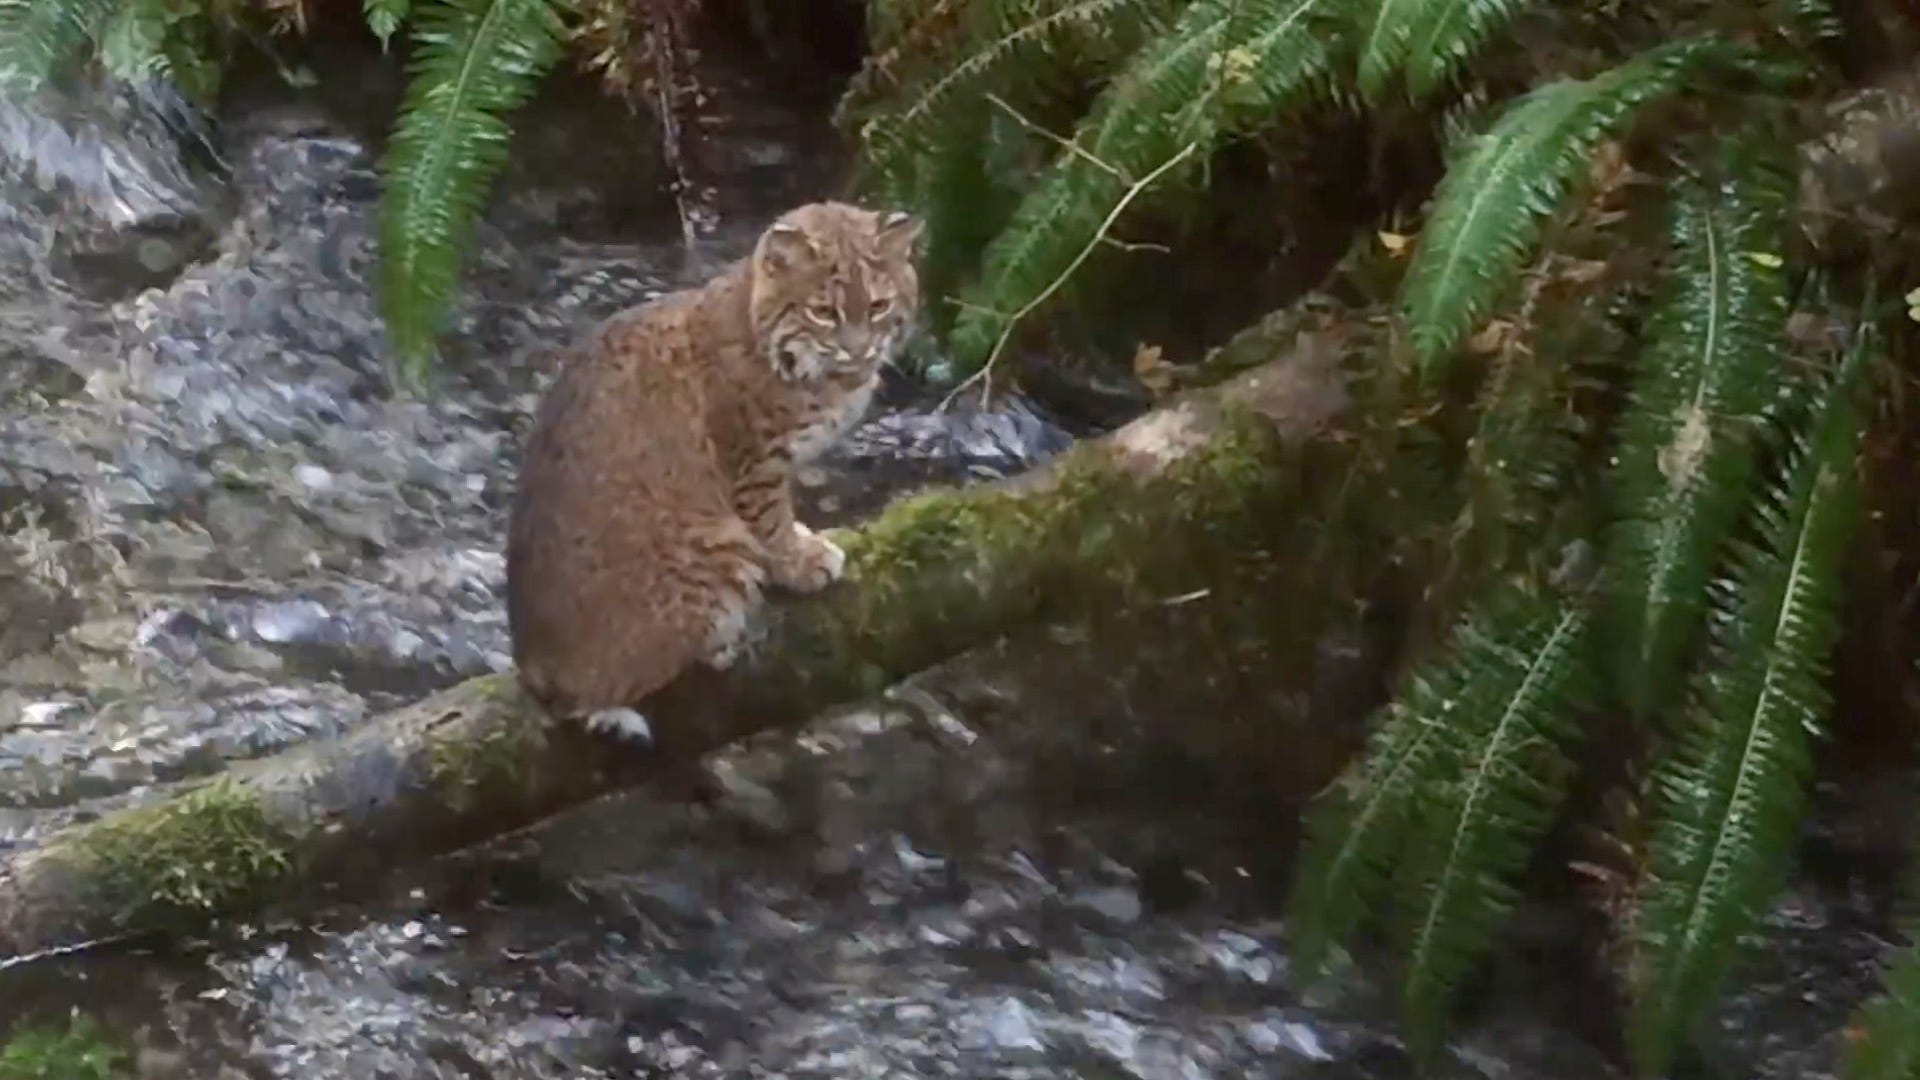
{"x":823,"y":425}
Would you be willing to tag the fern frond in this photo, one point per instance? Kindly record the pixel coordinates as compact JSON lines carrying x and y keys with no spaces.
{"x":384,"y":17}
{"x":902,"y":41}
{"x":1384,"y":43}
{"x":1226,"y":67}
{"x":1733,"y":790}
{"x":39,"y":37}
{"x":1425,"y":38}
{"x":961,"y":206}
{"x":474,"y":61}
{"x":133,"y":45}
{"x":161,"y":39}
{"x":1686,"y":447}
{"x":1356,"y":831}
{"x":1011,"y":38}
{"x":1455,"y":784}
{"x":1476,"y":823}
{"x":1447,"y":34}
{"x":1489,"y":207}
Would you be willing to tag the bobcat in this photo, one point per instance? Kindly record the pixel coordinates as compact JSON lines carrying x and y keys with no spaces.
{"x":654,"y":501}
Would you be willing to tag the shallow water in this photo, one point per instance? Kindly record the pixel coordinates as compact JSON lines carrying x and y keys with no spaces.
{"x":223,"y":537}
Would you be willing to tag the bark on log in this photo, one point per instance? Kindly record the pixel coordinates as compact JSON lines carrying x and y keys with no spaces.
{"x":1135,"y":514}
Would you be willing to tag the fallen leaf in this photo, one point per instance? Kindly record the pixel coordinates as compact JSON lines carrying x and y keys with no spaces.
{"x":1582,"y":271}
{"x":1154,"y":372}
{"x":1491,"y":338}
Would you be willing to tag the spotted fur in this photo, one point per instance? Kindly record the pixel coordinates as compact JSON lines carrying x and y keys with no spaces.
{"x":655,"y":499}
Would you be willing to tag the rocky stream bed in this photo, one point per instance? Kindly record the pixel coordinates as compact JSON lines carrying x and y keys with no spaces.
{"x":222,"y":536}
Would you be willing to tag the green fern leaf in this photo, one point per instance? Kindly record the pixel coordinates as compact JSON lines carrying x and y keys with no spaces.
{"x":961,"y":206}
{"x":900,"y":42}
{"x":39,"y":37}
{"x":133,"y":45}
{"x":1447,"y":33}
{"x":1010,"y":38}
{"x":1428,"y":38}
{"x":1477,"y":821}
{"x":384,"y":17}
{"x":1225,"y":68}
{"x":474,"y":62}
{"x":1384,"y":47}
{"x":1732,"y":793}
{"x":161,"y":39}
{"x":1686,"y":447}
{"x":1356,"y":831}
{"x":1488,"y":210}
{"x":1455,"y":784}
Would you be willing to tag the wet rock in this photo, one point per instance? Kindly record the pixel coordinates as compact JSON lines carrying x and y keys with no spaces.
{"x":1116,"y":905}
{"x":109,"y":188}
{"x":1859,"y":182}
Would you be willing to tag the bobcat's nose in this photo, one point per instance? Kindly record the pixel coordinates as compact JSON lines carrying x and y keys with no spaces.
{"x":855,"y":342}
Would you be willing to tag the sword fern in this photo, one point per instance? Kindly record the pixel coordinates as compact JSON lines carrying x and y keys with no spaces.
{"x":1732,"y":792}
{"x":474,"y":62}
{"x":1687,"y":442}
{"x":1488,"y":210}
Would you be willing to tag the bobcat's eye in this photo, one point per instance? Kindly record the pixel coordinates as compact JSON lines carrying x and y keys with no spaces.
{"x":821,"y":312}
{"x":882,"y":305}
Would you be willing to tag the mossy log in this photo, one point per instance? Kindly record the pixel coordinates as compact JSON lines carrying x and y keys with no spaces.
{"x":1139,"y":514}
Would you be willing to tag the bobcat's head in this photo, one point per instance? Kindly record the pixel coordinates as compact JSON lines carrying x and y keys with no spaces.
{"x":834,"y":291}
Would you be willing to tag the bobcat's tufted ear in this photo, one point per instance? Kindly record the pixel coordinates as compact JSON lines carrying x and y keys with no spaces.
{"x":782,"y":247}
{"x":895,"y":235}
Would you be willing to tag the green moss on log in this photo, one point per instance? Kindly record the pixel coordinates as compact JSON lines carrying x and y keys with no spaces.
{"x":214,"y":849}
{"x":466,"y":765}
{"x":942,"y":566}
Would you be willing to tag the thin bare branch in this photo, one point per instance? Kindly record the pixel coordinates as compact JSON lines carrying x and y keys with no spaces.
{"x":984,"y":376}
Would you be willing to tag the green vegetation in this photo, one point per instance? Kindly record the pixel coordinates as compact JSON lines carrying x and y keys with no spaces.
{"x":1628,"y":488}
{"x":204,"y":853}
{"x":474,"y":61}
{"x":82,"y":1052}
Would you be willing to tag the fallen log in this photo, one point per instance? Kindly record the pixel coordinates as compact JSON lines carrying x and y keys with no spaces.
{"x":1149,"y":510}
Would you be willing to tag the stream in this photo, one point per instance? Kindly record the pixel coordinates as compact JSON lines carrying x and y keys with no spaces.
{"x":222,"y":537}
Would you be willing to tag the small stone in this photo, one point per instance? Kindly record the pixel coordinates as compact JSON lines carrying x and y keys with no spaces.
{"x":1011,"y":1027}
{"x":1116,"y":903}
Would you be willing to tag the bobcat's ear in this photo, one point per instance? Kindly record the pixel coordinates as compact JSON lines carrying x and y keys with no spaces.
{"x":895,"y":235}
{"x":782,"y":247}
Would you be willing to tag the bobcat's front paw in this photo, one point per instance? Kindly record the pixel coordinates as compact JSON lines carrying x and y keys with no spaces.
{"x":811,"y":562}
